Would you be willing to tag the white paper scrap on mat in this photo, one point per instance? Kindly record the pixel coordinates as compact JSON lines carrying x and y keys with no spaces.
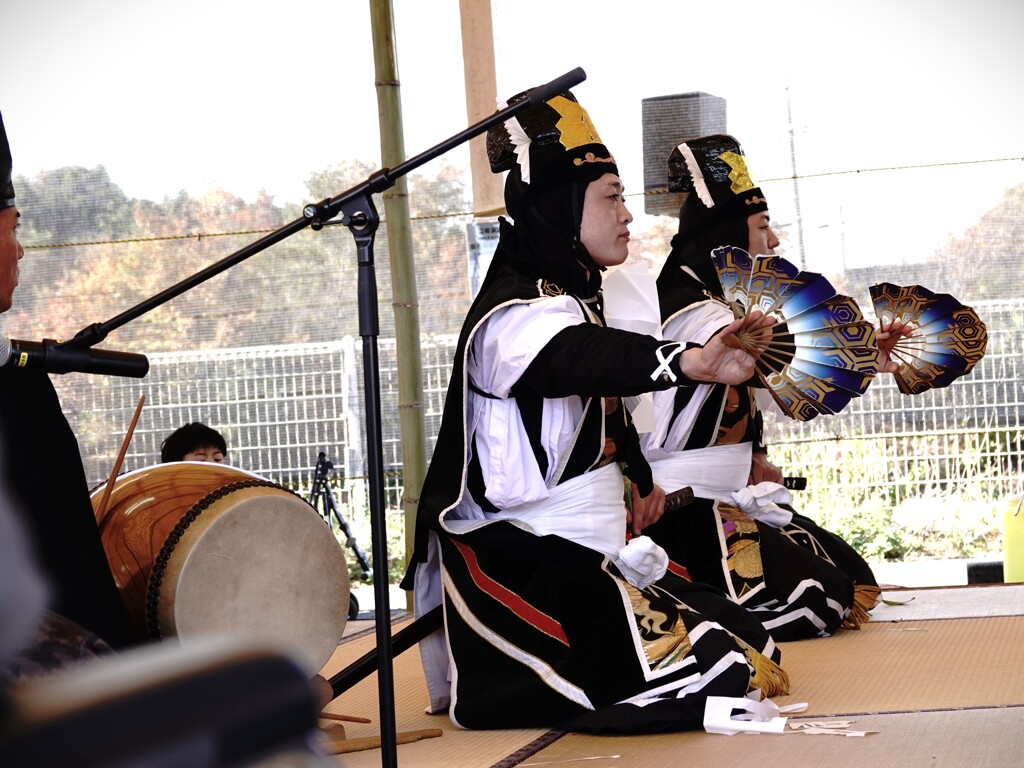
{"x":827,"y":728}
{"x":755,"y":717}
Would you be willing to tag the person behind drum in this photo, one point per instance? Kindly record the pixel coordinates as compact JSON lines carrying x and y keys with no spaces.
{"x":194,"y":442}
{"x":740,"y":534}
{"x":42,"y":473}
{"x":551,"y":619}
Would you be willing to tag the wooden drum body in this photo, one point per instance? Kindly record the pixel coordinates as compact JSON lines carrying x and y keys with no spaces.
{"x":198,"y":548}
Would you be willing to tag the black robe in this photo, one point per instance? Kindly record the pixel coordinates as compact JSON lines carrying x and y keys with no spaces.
{"x":812,"y":582}
{"x":540,"y":630}
{"x":43,"y":472}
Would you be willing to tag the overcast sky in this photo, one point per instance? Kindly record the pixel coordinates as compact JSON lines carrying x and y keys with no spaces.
{"x":255,"y":94}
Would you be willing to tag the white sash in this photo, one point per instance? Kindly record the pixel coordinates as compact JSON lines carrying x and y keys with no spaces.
{"x":712,"y":473}
{"x":721,"y":472}
{"x":589,"y":510}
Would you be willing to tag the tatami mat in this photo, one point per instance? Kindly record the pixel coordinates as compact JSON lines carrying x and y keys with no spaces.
{"x":941,"y":680}
{"x":454,"y":749}
{"x":908,"y":666}
{"x":985,"y":738}
{"x":950,"y":603}
{"x":937,"y":693}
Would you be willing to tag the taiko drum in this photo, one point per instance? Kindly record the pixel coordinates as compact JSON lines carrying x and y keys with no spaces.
{"x":198,"y":548}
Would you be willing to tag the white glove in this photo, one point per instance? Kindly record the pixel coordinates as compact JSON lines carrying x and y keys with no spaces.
{"x":642,"y":562}
{"x":761,"y":503}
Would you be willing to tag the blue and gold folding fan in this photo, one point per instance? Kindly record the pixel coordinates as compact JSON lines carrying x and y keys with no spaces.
{"x":821,"y":352}
{"x":946,"y":341}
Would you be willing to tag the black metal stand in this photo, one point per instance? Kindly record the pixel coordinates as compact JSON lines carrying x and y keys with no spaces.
{"x":360,"y":216}
{"x":321,"y":488}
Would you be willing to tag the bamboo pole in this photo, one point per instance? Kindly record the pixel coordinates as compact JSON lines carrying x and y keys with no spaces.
{"x":403,"y":271}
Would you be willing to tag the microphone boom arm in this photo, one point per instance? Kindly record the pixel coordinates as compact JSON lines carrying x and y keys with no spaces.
{"x":316,"y":215}
{"x":360,"y":216}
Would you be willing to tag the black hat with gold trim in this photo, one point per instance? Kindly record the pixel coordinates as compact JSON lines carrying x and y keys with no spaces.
{"x":548,"y":145}
{"x":712,"y":172}
{"x":6,"y":169}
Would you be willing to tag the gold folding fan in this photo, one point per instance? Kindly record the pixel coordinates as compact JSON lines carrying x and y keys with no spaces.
{"x":820,"y":353}
{"x":946,"y":341}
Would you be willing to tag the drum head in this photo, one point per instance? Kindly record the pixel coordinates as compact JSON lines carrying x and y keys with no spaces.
{"x":258,"y":562}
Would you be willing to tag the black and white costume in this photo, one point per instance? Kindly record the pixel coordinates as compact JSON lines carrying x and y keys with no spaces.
{"x":553,"y":618}
{"x":798,"y":578}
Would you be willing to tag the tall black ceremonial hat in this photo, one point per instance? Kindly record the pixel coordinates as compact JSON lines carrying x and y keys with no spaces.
{"x":6,"y":169}
{"x":550,"y":143}
{"x":712,"y":172}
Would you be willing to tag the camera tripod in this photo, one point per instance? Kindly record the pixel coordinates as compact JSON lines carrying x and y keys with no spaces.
{"x":322,"y":489}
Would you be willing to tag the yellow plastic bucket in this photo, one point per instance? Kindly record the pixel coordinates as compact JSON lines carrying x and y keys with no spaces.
{"x":1013,"y":540}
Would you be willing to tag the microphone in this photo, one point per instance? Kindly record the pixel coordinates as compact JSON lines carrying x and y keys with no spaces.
{"x":60,"y":357}
{"x":548,"y":91}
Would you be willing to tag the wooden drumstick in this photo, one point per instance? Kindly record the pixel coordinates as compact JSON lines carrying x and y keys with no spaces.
{"x":101,"y":510}
{"x":344,"y":718}
{"x":338,"y":746}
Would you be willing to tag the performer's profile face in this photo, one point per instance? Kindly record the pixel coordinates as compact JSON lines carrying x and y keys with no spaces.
{"x":11,"y":253}
{"x":604,"y":230}
{"x":761,"y":240}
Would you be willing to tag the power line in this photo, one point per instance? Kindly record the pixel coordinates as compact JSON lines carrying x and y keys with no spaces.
{"x":461,"y":214}
{"x":862,"y":170}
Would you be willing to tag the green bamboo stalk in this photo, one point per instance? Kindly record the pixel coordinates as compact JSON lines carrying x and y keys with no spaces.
{"x":403,"y":271}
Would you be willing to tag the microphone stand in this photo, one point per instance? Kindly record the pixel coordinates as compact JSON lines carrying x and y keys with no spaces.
{"x":360,"y":215}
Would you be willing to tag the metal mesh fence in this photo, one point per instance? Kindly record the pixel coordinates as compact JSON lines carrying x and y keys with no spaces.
{"x":963,"y":437}
{"x":291,"y":385}
{"x":278,"y":407}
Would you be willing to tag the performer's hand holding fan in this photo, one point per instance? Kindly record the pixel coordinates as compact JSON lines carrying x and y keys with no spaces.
{"x":945,"y":340}
{"x":821,"y":352}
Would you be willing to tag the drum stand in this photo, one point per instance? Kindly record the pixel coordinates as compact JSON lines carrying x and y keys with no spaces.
{"x":359,"y":214}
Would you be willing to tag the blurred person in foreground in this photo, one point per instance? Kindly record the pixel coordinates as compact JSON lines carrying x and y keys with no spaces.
{"x":42,"y":473}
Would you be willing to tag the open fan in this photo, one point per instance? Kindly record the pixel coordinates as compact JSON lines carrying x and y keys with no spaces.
{"x":947,"y":338}
{"x":821,"y":352}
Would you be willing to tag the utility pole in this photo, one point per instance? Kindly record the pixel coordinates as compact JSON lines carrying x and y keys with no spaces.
{"x":796,"y":183}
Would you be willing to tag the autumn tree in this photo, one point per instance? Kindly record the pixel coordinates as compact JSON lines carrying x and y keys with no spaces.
{"x":301,"y":289}
{"x":979,"y":264}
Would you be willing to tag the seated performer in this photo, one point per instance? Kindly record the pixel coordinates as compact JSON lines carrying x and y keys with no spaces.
{"x":42,"y":473}
{"x":194,"y":442}
{"x":799,"y":579}
{"x":550,"y":618}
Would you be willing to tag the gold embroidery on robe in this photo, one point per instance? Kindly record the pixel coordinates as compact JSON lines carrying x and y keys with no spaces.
{"x":745,"y":559}
{"x":547,"y":288}
{"x":663,"y":636}
{"x":743,"y":548}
